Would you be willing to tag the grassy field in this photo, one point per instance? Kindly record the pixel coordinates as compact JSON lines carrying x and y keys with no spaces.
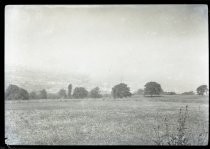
{"x":105,"y":121}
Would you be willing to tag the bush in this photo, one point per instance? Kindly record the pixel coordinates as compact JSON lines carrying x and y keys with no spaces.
{"x":95,"y":93}
{"x":121,"y":90}
{"x":80,"y":92}
{"x":14,"y":92}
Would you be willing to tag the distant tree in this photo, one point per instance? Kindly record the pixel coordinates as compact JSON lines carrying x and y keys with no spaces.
{"x":95,"y":93}
{"x":121,"y":90}
{"x":140,"y":92}
{"x":62,"y":94}
{"x":52,"y":96}
{"x":43,"y":94}
{"x":188,"y":93}
{"x":33,"y":95}
{"x":169,"y":93}
{"x":152,"y":88}
{"x":107,"y":95}
{"x":80,"y":92}
{"x":69,"y":90}
{"x":14,"y":92}
{"x":24,"y":94}
{"x":201,"y":90}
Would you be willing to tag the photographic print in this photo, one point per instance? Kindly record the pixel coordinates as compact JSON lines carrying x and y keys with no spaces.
{"x":106,"y":74}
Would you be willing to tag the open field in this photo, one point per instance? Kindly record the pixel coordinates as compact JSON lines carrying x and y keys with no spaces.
{"x":128,"y":121}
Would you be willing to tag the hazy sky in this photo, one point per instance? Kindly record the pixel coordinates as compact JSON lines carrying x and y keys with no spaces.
{"x":112,"y":43}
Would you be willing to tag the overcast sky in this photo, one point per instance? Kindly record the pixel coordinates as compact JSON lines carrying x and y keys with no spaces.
{"x":112,"y":43}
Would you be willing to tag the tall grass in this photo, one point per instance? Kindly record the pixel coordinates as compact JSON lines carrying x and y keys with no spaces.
{"x":107,"y":122}
{"x":182,"y":135}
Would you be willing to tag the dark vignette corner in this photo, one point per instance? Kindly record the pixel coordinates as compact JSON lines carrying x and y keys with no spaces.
{"x":2,"y":139}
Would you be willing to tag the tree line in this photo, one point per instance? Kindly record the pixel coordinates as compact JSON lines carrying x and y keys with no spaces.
{"x":118,"y":91}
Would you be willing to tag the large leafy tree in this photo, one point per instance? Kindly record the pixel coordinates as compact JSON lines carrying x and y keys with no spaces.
{"x":201,"y":90}
{"x":80,"y":92}
{"x":14,"y":92}
{"x":95,"y":93}
{"x":152,"y":88}
{"x":121,"y":90}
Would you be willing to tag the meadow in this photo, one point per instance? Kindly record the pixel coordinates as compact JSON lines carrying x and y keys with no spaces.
{"x":104,"y":121}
